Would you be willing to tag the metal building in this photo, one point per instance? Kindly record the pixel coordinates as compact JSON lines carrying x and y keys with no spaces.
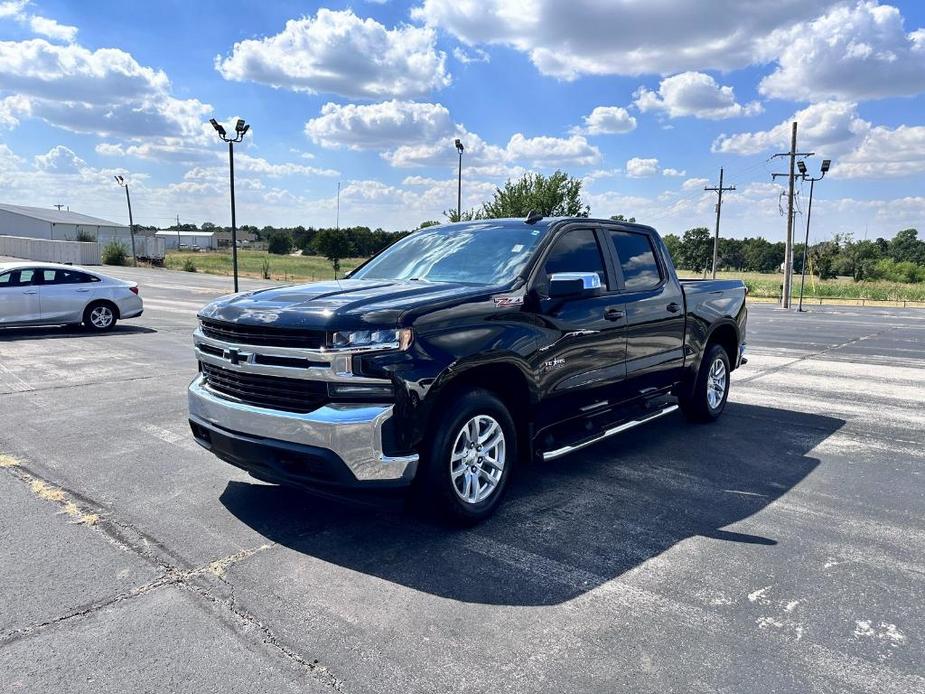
{"x":202,"y":240}
{"x":57,"y":225}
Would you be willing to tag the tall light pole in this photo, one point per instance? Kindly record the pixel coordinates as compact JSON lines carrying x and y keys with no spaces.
{"x":459,"y":148}
{"x":131,"y":225}
{"x":240,"y":129}
{"x":337,"y":218}
{"x":826,"y":163}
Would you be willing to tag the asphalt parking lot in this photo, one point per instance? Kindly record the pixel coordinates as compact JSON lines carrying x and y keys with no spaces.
{"x":780,"y":550}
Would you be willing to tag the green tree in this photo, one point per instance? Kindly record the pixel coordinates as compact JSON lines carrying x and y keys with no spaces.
{"x":558,"y":195}
{"x":453,"y":215}
{"x":907,"y":247}
{"x":428,"y":223}
{"x":279,"y":243}
{"x":333,"y":245}
{"x":673,"y":244}
{"x":621,"y":218}
{"x":697,"y":249}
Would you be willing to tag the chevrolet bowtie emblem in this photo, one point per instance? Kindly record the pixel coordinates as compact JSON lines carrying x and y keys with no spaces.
{"x":232,"y":355}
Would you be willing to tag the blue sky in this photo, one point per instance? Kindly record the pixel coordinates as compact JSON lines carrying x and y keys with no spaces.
{"x":646,"y":100}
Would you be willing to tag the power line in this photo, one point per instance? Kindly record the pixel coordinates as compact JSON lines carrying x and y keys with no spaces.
{"x":719,"y":208}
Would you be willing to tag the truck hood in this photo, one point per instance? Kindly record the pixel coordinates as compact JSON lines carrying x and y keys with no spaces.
{"x":341,"y":304}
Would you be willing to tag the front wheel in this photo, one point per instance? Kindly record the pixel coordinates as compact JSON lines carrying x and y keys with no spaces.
{"x":711,"y":390}
{"x":468,"y":459}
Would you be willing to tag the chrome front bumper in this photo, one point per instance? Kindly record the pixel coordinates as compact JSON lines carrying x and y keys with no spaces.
{"x":352,"y":432}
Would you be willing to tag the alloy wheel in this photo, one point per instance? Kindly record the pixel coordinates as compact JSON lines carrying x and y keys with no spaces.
{"x":477,"y":460}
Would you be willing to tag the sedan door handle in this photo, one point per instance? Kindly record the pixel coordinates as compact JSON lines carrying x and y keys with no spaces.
{"x":613,"y":314}
{"x":31,"y":291}
{"x":673,"y":307}
{"x":82,"y":290}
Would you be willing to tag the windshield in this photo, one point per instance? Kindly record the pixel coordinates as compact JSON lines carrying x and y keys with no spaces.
{"x":479,"y":253}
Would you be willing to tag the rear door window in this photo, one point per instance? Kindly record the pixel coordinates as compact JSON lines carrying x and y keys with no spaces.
{"x":637,"y":260}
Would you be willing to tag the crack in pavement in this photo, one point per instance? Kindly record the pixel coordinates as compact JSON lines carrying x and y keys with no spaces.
{"x":119,"y":533}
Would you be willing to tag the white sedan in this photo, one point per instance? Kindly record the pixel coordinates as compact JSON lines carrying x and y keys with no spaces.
{"x":34,"y":293}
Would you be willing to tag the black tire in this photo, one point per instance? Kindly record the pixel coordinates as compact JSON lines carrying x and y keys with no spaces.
{"x":95,"y":316}
{"x":702,"y":405}
{"x":437,"y":489}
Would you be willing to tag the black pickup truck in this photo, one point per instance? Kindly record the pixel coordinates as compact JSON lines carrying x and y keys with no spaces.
{"x":457,"y":354}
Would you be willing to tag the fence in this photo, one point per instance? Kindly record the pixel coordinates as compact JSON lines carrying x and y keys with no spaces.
{"x":70,"y":252}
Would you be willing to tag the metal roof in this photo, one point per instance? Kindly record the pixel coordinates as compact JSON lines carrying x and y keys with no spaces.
{"x":59,"y":216}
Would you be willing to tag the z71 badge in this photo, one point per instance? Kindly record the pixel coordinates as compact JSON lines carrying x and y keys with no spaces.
{"x":503,"y":301}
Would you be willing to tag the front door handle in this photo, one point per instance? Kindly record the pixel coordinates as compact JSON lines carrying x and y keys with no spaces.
{"x":613,"y":314}
{"x":673,"y":307}
{"x":31,"y":291}
{"x":82,"y":290}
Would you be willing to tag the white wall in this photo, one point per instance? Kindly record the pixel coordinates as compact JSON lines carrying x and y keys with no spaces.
{"x":73,"y":252}
{"x":17,"y":225}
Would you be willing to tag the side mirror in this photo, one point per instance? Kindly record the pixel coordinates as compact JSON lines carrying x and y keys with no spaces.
{"x":572,"y":284}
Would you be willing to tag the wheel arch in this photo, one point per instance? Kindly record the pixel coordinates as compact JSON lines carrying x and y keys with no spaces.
{"x":725,"y":334}
{"x":102,"y":300}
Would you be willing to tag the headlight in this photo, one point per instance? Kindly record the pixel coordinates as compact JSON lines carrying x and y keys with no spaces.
{"x":393,"y":338}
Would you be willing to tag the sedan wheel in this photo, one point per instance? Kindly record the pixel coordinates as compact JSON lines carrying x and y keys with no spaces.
{"x":100,"y":317}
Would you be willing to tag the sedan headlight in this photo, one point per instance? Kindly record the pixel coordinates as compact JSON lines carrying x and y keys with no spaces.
{"x":392,"y":338}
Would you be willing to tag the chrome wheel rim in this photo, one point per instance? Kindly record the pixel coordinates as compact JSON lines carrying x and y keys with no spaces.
{"x":716,"y":384}
{"x":477,"y":460}
{"x":101,"y":317}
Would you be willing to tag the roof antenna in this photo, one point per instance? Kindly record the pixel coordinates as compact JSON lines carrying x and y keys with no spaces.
{"x":533,"y":217}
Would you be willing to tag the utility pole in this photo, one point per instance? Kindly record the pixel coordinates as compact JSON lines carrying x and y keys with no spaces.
{"x":178,"y":232}
{"x":337,"y":218}
{"x":58,"y":206}
{"x":719,"y":208}
{"x":788,"y":245}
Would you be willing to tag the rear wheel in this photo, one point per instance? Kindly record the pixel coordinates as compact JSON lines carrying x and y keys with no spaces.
{"x":100,"y":316}
{"x":468,"y":458}
{"x":711,"y":390}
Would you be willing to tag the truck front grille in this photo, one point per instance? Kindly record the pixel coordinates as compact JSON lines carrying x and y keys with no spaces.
{"x":272,"y":392}
{"x":260,"y":335}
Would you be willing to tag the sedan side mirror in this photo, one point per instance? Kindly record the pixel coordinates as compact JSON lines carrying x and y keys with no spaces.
{"x":572,"y":284}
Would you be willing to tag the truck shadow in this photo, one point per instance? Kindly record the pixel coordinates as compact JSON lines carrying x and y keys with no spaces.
{"x":571,"y":525}
{"x":68,"y":331}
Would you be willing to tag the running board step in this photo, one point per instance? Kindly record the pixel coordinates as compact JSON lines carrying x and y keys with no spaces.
{"x":565,"y":450}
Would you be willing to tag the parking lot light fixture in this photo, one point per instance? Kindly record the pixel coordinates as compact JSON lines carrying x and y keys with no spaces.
{"x":459,"y":148}
{"x":826,"y":163}
{"x":240,"y":130}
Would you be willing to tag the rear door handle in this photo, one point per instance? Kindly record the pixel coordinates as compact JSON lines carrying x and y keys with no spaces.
{"x":82,"y":290}
{"x":673,"y":307}
{"x":613,"y":314}
{"x":31,"y":291}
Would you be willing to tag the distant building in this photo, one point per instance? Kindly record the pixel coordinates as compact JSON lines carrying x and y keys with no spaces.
{"x":57,"y":225}
{"x":223,"y":238}
{"x":203,"y":240}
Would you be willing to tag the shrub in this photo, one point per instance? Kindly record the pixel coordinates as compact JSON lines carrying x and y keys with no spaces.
{"x":85,"y":236}
{"x":279,"y":243}
{"x":115,"y":253}
{"x":189,"y":265}
{"x":265,"y":268}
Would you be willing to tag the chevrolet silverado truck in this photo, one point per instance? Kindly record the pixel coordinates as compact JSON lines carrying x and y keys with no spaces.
{"x":458,"y":353}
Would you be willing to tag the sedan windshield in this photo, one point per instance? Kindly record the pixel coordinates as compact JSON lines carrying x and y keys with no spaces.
{"x":480,"y":253}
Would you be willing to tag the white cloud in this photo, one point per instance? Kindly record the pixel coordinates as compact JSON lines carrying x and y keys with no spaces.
{"x":607,"y":120}
{"x":673,"y":172}
{"x":60,"y":159}
{"x":50,"y":28}
{"x":695,"y":183}
{"x":854,"y":52}
{"x":379,"y":126}
{"x":885,"y":152}
{"x":694,"y":94}
{"x":475,"y":55}
{"x":16,"y":10}
{"x":638,"y":167}
{"x":625,"y":37}
{"x":340,"y":53}
{"x":553,"y":151}
{"x":829,"y":128}
{"x":261,"y":166}
{"x":106,"y":92}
